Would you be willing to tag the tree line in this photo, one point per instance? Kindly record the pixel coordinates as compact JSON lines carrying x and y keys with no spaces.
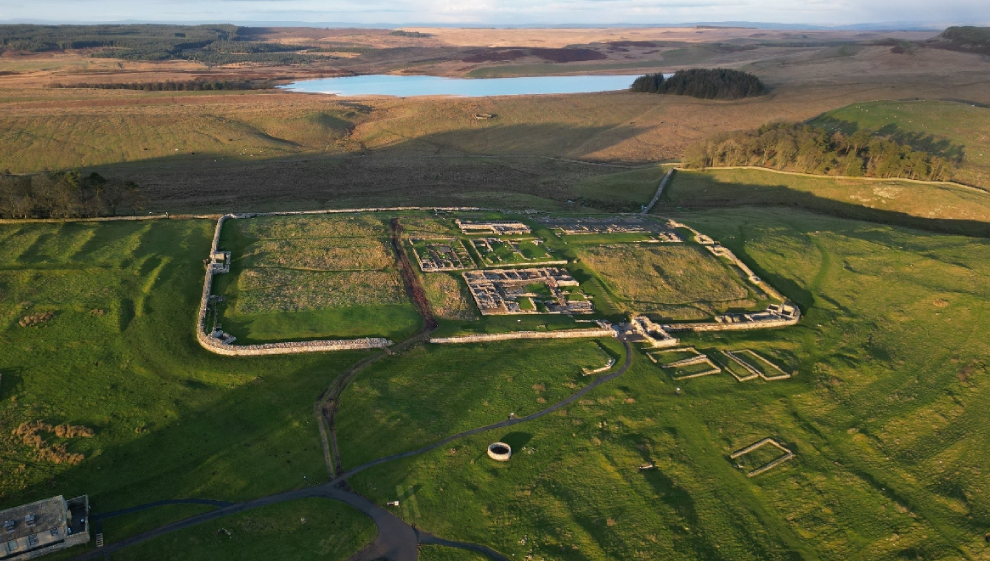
{"x":144,"y":41}
{"x":170,"y":86}
{"x":805,"y":148}
{"x":717,"y":83}
{"x":210,"y":44}
{"x":68,"y":194}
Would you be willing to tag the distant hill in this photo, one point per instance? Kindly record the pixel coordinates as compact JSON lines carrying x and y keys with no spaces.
{"x":964,"y":38}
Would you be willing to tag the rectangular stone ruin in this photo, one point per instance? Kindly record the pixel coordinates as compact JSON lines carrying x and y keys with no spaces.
{"x":497,"y":227}
{"x":500,"y":291}
{"x":787,"y":455}
{"x":641,"y":329}
{"x":694,"y":360}
{"x":446,"y":254}
{"x":776,"y":373}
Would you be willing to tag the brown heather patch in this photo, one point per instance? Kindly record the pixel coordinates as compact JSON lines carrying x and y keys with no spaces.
{"x":56,"y":453}
{"x":36,"y":319}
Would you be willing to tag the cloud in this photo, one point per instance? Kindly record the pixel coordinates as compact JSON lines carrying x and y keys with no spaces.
{"x":603,"y":12}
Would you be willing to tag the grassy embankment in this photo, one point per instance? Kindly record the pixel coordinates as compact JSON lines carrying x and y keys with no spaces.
{"x":886,"y":421}
{"x":956,"y":130}
{"x":119,"y":356}
{"x":945,"y":208}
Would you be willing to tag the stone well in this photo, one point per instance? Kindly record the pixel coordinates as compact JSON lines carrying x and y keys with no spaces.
{"x":500,"y":452}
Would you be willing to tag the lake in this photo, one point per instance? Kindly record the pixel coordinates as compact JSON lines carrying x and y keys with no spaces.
{"x":407,"y":86}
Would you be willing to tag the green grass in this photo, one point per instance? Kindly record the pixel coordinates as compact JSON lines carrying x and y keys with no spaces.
{"x":952,"y":129}
{"x":312,"y":277}
{"x":434,"y":391}
{"x":296,"y":530}
{"x":508,"y":323}
{"x":624,"y":191}
{"x":940,"y":207}
{"x":40,"y":140}
{"x":679,"y":281}
{"x":441,"y":553}
{"x":171,"y":420}
{"x":119,"y":527}
{"x":396,"y":321}
{"x":885,"y":420}
{"x":885,"y":414}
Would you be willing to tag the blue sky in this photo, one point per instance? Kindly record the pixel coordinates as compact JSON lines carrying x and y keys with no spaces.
{"x":502,"y":12}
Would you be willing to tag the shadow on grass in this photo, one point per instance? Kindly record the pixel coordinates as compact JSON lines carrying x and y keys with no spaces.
{"x":498,"y":166}
{"x":172,"y":420}
{"x":937,"y":146}
{"x":755,"y":195}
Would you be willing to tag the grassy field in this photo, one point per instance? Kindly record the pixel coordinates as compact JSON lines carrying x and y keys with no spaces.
{"x":441,"y":553}
{"x":943,"y":207}
{"x":624,"y":191}
{"x":955,"y":130}
{"x":885,"y":421}
{"x":677,"y":281}
{"x":313,"y":277}
{"x":201,"y":151}
{"x":296,"y":530}
{"x":449,"y":296}
{"x":430,"y":392}
{"x":169,"y":420}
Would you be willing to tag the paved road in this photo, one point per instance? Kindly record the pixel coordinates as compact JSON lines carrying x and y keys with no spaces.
{"x":426,"y":538}
{"x":396,"y":540}
{"x":111,"y":514}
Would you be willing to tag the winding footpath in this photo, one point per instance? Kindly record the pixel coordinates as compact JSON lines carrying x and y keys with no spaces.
{"x":395,"y":540}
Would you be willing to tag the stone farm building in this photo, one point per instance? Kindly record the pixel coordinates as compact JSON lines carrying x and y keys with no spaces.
{"x":41,"y":527}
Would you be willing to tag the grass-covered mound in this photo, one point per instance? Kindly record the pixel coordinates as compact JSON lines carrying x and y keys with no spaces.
{"x":705,"y":83}
{"x":810,"y":149}
{"x":965,"y":38}
{"x":956,"y":131}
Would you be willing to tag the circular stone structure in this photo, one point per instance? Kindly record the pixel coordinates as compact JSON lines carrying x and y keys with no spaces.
{"x":500,"y":452}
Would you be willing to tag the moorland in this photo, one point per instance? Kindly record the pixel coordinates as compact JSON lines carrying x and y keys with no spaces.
{"x":888,"y":365}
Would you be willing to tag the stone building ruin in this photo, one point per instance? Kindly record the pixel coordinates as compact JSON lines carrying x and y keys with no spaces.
{"x":501,"y":291}
{"x":497,"y":227}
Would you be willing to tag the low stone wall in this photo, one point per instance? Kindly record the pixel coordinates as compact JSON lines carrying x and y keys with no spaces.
{"x":295,"y":347}
{"x":218,"y":346}
{"x":492,"y":337}
{"x":739,"y":326}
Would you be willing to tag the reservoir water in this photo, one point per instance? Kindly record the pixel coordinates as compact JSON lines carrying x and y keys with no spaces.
{"x":407,"y":86}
